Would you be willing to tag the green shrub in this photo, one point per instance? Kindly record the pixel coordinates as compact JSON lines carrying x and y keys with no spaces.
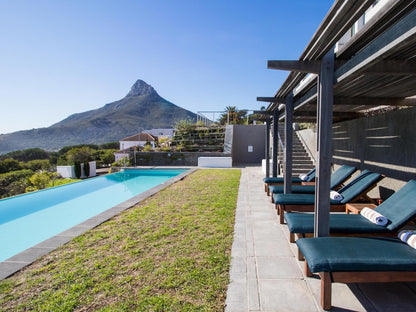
{"x":77,"y":168}
{"x":9,"y":165}
{"x":11,"y":183}
{"x":37,"y":164}
{"x":87,"y":169}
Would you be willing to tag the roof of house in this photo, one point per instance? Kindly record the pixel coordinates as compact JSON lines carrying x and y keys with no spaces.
{"x":139,"y":137}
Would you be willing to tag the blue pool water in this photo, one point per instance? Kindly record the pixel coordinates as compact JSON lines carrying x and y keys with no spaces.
{"x":29,"y":219}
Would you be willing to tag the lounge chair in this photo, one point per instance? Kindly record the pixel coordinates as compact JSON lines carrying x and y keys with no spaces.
{"x":357,"y":260}
{"x":340,"y":175}
{"x":356,"y":190}
{"x":399,"y":209}
{"x":310,"y":176}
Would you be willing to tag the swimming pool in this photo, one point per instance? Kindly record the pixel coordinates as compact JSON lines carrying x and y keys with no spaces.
{"x":29,"y":219}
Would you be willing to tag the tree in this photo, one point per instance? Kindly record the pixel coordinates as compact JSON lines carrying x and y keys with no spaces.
{"x":233,"y":116}
{"x":8,"y":165}
{"x":81,"y":155}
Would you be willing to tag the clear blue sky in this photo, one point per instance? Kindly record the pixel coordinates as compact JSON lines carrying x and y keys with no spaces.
{"x":60,"y":57}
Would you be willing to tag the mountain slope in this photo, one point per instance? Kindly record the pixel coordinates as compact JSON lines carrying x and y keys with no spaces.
{"x":141,"y":108}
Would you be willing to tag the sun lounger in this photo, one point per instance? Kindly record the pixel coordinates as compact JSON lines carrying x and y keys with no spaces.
{"x":399,"y":209}
{"x":356,"y":190}
{"x":310,"y":176}
{"x":337,"y":178}
{"x":357,"y":260}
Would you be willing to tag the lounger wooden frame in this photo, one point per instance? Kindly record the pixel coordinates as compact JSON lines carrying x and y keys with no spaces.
{"x":327,"y":278}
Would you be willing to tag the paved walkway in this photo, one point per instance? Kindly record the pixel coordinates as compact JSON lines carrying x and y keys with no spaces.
{"x":265,"y":275}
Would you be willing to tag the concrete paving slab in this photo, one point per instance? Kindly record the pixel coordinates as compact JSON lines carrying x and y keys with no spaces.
{"x":285,"y":295}
{"x":278,"y":268}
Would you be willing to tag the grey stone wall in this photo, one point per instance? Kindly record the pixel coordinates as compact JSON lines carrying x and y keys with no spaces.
{"x":173,"y":158}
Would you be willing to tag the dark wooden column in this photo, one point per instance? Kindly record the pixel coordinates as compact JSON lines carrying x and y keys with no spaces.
{"x":268,"y":121}
{"x":275,"y":140}
{"x":288,"y":144}
{"x":324,"y":145}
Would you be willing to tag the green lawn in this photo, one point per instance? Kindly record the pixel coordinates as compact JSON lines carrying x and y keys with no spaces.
{"x":169,"y":253}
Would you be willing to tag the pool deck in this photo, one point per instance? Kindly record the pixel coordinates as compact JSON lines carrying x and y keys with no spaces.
{"x":26,"y":257}
{"x":266,"y":276}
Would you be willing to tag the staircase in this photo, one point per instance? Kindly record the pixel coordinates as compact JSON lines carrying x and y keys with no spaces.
{"x":302,"y":162}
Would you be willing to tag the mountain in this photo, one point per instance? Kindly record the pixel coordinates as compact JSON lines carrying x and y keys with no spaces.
{"x":141,"y":108}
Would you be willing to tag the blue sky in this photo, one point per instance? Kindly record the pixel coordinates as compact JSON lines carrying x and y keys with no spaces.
{"x":61,"y":57}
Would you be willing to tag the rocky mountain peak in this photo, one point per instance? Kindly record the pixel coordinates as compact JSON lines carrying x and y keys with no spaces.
{"x":141,"y":88}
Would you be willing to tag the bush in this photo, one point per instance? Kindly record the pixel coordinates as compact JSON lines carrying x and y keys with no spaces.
{"x":11,"y":183}
{"x":87,"y":169}
{"x":40,"y":180}
{"x":38,"y":164}
{"x":77,"y":168}
{"x":9,"y":165}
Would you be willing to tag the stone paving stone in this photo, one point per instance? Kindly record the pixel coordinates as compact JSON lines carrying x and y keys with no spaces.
{"x":390,"y":296}
{"x":9,"y":268}
{"x":54,"y":242}
{"x":285,"y":295}
{"x":272,"y":248}
{"x":278,"y":268}
{"x":253,"y":295}
{"x":31,"y":254}
{"x":237,"y":299}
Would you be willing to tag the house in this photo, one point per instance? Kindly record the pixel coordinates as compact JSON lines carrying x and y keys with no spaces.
{"x":168,"y":133}
{"x":136,"y":141}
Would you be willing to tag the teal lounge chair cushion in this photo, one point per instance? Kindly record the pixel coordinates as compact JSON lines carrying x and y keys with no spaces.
{"x":297,"y":189}
{"x":310,"y":175}
{"x":339,"y":223}
{"x":353,"y":189}
{"x":280,"y":180}
{"x":299,"y":199}
{"x":400,"y":207}
{"x":339,"y":176}
{"x":352,"y":254}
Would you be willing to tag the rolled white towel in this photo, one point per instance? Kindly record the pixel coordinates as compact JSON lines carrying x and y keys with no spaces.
{"x":336,"y":196}
{"x":374,"y":216}
{"x":408,"y":237}
{"x":303,"y":177}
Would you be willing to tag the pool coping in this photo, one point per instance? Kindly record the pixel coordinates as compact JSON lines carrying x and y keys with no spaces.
{"x":17,"y":262}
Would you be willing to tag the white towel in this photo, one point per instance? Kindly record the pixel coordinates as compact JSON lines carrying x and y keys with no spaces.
{"x":374,"y":216}
{"x":408,"y":237}
{"x":336,"y":196}
{"x":303,"y":177}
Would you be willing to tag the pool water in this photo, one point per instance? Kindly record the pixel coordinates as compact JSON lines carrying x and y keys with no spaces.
{"x":29,"y":219}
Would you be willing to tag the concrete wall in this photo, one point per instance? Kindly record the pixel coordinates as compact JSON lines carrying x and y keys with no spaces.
{"x":248,"y":144}
{"x":385,"y":143}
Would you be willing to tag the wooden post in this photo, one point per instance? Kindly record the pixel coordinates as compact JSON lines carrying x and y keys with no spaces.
{"x":324,"y":145}
{"x":275,"y":140}
{"x":267,"y":147}
{"x":288,"y":144}
{"x":326,"y":294}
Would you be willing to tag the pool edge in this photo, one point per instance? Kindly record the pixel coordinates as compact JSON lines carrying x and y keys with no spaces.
{"x":17,"y":262}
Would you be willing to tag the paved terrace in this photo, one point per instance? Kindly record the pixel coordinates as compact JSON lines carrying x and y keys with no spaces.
{"x":265,"y":275}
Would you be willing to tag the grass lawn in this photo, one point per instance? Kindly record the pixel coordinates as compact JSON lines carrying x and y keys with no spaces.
{"x":171,"y":252}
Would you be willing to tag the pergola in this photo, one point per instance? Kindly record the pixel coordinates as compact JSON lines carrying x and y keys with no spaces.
{"x":376,"y":67}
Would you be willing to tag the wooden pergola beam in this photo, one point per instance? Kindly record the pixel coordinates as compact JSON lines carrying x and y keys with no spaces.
{"x":339,"y":100}
{"x":393,"y":67}
{"x":296,"y":66}
{"x":278,"y":100}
